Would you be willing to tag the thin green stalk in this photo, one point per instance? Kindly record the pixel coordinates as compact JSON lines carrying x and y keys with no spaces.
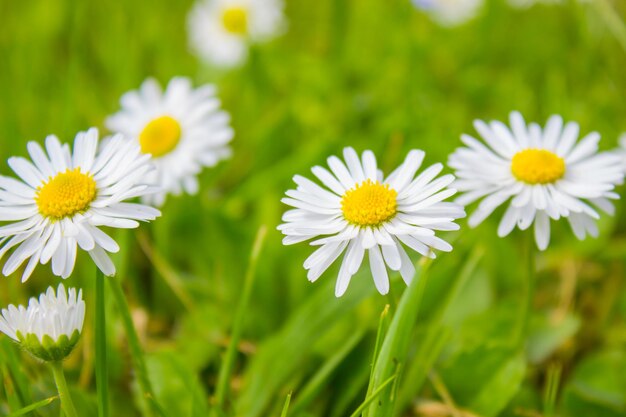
{"x":320,"y":379}
{"x":613,"y":21}
{"x":373,"y":396}
{"x":136,"y":352}
{"x":395,"y":346}
{"x":33,"y":407}
{"x":102,"y":379}
{"x":286,"y":406}
{"x":64,"y":393}
{"x":528,"y":288}
{"x":551,"y":390}
{"x":383,"y":324}
{"x":229,"y":358}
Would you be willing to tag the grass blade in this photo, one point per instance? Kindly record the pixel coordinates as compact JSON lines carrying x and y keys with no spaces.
{"x":313,"y":387}
{"x":383,"y":326}
{"x":396,"y":342}
{"x":229,"y":358}
{"x":613,"y":21}
{"x":436,"y":335}
{"x":17,"y":375}
{"x":373,"y":396}
{"x":136,"y":353}
{"x":165,"y":270}
{"x":33,"y":407}
{"x":286,"y":406}
{"x":102,"y":380}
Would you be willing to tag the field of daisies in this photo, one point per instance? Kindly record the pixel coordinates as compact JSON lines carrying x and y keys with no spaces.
{"x":264,"y":208}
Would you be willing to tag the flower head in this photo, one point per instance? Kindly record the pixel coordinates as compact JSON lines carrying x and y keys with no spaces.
{"x":543,"y":173}
{"x":359,"y":210}
{"x":182,"y":128}
{"x":450,"y":12}
{"x":522,"y":4}
{"x":621,"y":151}
{"x":64,"y":198}
{"x":50,"y":326}
{"x":221,"y":30}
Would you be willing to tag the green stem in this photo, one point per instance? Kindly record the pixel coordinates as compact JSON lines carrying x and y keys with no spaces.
{"x":136,"y":352}
{"x":286,"y":406}
{"x":64,"y":392}
{"x":229,"y":358}
{"x":528,"y":288}
{"x":393,"y":351}
{"x":371,"y":397}
{"x":613,"y":21}
{"x":101,"y":348}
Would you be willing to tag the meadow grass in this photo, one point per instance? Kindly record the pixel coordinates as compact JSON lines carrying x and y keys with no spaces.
{"x":223,"y":337}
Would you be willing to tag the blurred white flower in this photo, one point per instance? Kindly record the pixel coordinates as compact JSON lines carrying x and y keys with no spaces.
{"x":50,"y":326}
{"x":524,"y":4}
{"x":450,"y":12}
{"x":220,"y":31}
{"x":360,"y":211}
{"x":546,"y":174}
{"x":183,"y":129}
{"x":65,"y":197}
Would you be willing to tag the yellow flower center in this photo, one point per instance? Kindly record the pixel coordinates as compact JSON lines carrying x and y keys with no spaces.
{"x":369,"y":204}
{"x":66,"y":194}
{"x":160,"y":136}
{"x":235,"y":20}
{"x":537,"y":166}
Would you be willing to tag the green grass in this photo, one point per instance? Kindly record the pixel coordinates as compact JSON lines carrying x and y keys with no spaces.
{"x":366,"y":73}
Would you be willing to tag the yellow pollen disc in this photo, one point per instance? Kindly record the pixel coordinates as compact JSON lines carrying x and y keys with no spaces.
{"x":537,"y":166}
{"x":160,"y":136}
{"x":235,"y":20}
{"x":66,"y":194}
{"x":369,"y":204}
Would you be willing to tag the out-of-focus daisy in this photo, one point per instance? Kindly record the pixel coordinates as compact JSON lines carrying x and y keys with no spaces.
{"x":220,"y":31}
{"x":182,"y":128}
{"x":64,"y":198}
{"x":450,"y":12}
{"x":622,"y":149}
{"x":50,"y":326}
{"x":523,"y":4}
{"x":359,"y":211}
{"x":546,"y":174}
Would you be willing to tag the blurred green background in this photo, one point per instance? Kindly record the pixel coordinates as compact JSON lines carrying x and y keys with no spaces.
{"x":370,"y":74}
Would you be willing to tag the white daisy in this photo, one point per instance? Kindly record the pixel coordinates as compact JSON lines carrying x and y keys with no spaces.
{"x":50,"y":326}
{"x":546,"y":174}
{"x":65,"y":197}
{"x":621,"y":151}
{"x":360,"y":211}
{"x":523,"y":4}
{"x":450,"y":12}
{"x":221,"y":30}
{"x":182,"y":128}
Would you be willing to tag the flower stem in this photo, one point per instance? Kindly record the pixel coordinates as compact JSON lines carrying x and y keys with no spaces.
{"x":136,"y":352}
{"x":66,"y":400}
{"x":229,"y":358}
{"x":528,"y":288}
{"x":613,"y":21}
{"x":101,"y":348}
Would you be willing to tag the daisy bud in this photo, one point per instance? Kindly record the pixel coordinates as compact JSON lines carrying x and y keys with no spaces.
{"x":50,"y":326}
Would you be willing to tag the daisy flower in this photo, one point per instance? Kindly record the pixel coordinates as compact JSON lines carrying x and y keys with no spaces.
{"x":522,"y":4}
{"x":621,"y":151}
{"x":50,"y":326}
{"x":220,"y":31}
{"x":182,"y":128}
{"x":358,"y":211}
{"x":450,"y":12}
{"x":63,"y":198}
{"x":543,"y":174}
